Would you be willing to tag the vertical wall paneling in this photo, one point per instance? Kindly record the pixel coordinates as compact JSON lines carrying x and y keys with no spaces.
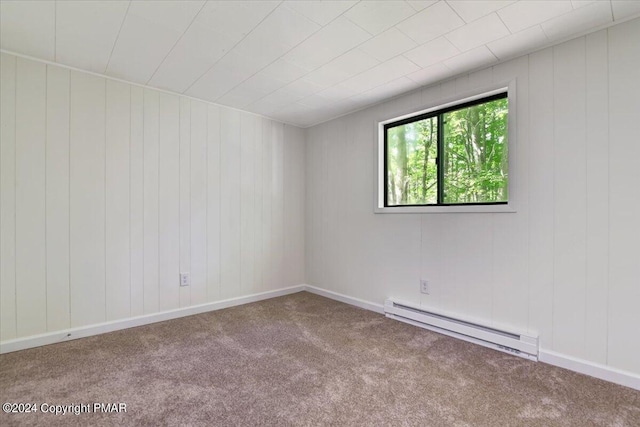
{"x":473,"y":240}
{"x":294,"y":206}
{"x":213,"y":202}
{"x":198,"y":202}
{"x":314,"y":189}
{"x":277,"y":206}
{"x":136,"y":201}
{"x":624,"y":199}
{"x":110,"y":190}
{"x":151,"y":193}
{"x":541,"y":195}
{"x":570,"y":199}
{"x":185,"y":196}
{"x":169,"y":202}
{"x":333,"y":235}
{"x":57,"y":202}
{"x":310,"y":227}
{"x":87,"y":199}
{"x":564,"y":265}
{"x":230,"y":203}
{"x":118,"y":258}
{"x":324,"y":212}
{"x":267,"y":197}
{"x":7,"y":197}
{"x":258,"y":194}
{"x":401,"y":235}
{"x":247,"y":234}
{"x":431,"y":231}
{"x":30,"y":199}
{"x":510,"y":247}
{"x":597,"y":184}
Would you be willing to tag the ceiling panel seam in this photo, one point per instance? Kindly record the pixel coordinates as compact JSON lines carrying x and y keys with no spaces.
{"x":233,"y":47}
{"x":284,"y":54}
{"x":204,"y":3}
{"x":124,"y":18}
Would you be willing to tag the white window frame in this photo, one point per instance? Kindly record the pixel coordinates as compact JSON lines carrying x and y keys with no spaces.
{"x":510,"y":206}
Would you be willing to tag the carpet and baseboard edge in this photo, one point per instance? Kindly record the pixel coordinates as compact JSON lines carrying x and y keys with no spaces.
{"x":131,"y":322}
{"x":550,"y":357}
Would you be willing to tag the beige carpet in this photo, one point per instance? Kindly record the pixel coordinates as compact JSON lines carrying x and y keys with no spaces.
{"x":302,"y":360}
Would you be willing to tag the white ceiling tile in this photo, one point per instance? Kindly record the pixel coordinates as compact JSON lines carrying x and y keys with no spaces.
{"x":470,"y":10}
{"x":282,"y":26}
{"x":302,"y":88}
{"x":213,"y":33}
{"x":431,"y":74}
{"x":86,"y":32}
{"x":393,"y":88}
{"x":351,"y":63}
{"x":264,"y":107}
{"x":579,"y":20}
{"x":625,"y":8}
{"x":418,"y":5}
{"x":283,"y":29}
{"x":293,"y":112}
{"x":235,"y":19}
{"x":381,"y":74}
{"x":325,"y":76}
{"x":581,"y":3}
{"x":196,"y":51}
{"x":479,"y":32}
{"x":296,"y":113}
{"x":249,"y":92}
{"x":283,"y":70}
{"x":385,"y":46}
{"x":321,"y":12}
{"x":471,"y":59}
{"x":336,"y":93}
{"x":518,"y":43}
{"x":526,"y":13}
{"x":148,"y":33}
{"x":298,"y":61}
{"x":431,"y":23}
{"x":430,"y":53}
{"x":276,"y":100}
{"x":262,"y":50}
{"x":377,"y":16}
{"x":330,"y":42}
{"x":316,"y":100}
{"x":264,"y":83}
{"x":227,"y":73}
{"x":28,"y":27}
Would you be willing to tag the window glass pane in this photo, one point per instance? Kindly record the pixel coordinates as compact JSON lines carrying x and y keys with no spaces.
{"x":475,"y":154}
{"x":412,"y":173}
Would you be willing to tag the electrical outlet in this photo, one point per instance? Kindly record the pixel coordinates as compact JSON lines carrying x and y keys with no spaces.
{"x":185,"y":280}
{"x":424,"y":286}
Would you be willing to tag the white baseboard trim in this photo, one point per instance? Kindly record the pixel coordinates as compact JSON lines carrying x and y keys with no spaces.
{"x":116,"y":325}
{"x":367,"y":305}
{"x":592,"y":369}
{"x":596,"y":370}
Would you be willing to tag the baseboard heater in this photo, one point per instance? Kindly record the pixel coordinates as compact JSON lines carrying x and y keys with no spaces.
{"x":525,"y":346}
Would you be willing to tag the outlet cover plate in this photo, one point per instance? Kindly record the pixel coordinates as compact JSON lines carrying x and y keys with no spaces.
{"x":185,"y":280}
{"x":424,"y":286}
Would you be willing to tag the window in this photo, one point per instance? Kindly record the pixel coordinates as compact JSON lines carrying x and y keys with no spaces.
{"x":456,"y":155}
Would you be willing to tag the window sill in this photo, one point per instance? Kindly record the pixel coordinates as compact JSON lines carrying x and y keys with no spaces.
{"x":508,"y":208}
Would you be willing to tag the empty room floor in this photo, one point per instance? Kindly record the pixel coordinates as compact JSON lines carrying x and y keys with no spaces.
{"x":302,"y":360}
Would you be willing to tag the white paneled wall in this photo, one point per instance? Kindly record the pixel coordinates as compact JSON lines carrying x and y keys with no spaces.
{"x":109,"y":190}
{"x":566,"y":265}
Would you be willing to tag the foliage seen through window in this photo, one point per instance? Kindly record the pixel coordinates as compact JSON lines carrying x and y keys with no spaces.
{"x":454,"y":156}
